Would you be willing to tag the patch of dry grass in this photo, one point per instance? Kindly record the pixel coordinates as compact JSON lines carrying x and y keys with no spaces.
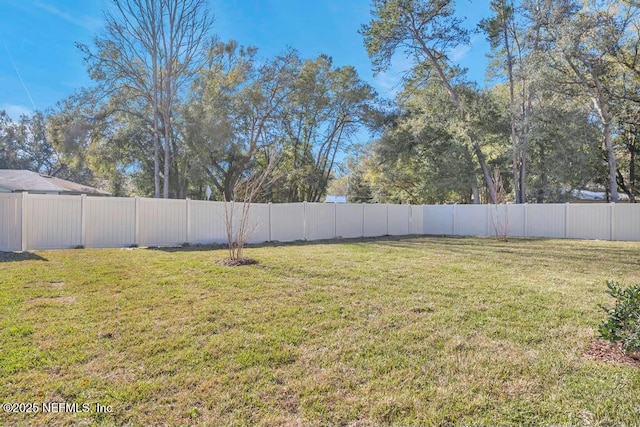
{"x":421,"y":331}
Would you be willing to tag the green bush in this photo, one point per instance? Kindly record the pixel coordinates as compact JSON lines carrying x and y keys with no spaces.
{"x":623,"y":323}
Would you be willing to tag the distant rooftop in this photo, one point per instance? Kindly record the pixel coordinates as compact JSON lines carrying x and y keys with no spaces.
{"x":17,"y":181}
{"x":336,"y":199}
{"x":596,"y":195}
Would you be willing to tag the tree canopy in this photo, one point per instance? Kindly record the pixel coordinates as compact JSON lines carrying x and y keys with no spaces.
{"x":176,"y":110}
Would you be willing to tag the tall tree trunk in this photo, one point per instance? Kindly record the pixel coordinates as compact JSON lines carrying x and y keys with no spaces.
{"x":512,"y":104}
{"x":153,"y":29}
{"x":523,"y":175}
{"x":475,"y":192}
{"x":605,"y":118}
{"x":167,"y":158}
{"x":156,"y":154}
{"x":632,"y":171}
{"x":477,"y":149}
{"x":611,"y":159}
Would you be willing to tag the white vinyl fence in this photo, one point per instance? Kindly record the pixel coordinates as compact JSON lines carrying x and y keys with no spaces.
{"x":35,"y":221}
{"x":602,"y":221}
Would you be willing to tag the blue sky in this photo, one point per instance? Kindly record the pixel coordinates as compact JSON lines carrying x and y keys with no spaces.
{"x":40,"y":65}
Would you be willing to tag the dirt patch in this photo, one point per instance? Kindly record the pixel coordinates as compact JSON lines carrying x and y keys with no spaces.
{"x":44,"y":285}
{"x":55,"y":284}
{"x":237,"y":262}
{"x":604,"y":351}
{"x":54,"y":300}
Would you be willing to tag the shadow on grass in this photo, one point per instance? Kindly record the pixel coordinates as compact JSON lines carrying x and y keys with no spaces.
{"x":476,"y":247}
{"x":590,"y":252}
{"x":20,"y":256}
{"x":339,"y":241}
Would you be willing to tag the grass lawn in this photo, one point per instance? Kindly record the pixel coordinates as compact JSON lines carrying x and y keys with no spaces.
{"x":414,"y":331}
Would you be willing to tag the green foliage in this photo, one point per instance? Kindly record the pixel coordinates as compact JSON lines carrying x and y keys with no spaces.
{"x":423,"y":28}
{"x":623,"y":323}
{"x":24,"y":144}
{"x":297,"y":113}
{"x":326,"y":109}
{"x":425,"y":155}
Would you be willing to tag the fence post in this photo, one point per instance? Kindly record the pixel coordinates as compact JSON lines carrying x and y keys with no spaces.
{"x":188,"y":222}
{"x":525,"y":226}
{"x":454,"y":225}
{"x":335,"y":220}
{"x":23,"y":221}
{"x":304,"y":220}
{"x":83,"y":220}
{"x":269,"y":214}
{"x":136,"y":227}
{"x":566,"y":219}
{"x":387,"y":220}
{"x":363,"y":205}
{"x":487,"y":227}
{"x":410,"y":219}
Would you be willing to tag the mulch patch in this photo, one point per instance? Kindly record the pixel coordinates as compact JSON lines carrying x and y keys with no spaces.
{"x":604,"y":351}
{"x":237,"y":262}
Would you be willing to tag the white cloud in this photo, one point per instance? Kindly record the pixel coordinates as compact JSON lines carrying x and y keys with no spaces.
{"x":15,"y":111}
{"x":459,"y":52}
{"x":86,"y":22}
{"x":389,"y":82}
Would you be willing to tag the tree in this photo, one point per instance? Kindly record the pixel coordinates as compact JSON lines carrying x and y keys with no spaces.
{"x":514,"y":49}
{"x":325,"y":109}
{"x":24,"y":144}
{"x":564,"y":147}
{"x":583,"y":41}
{"x":107,"y":137}
{"x":242,"y":111}
{"x":423,"y":157}
{"x":233,"y":114}
{"x":426,"y":30}
{"x":150,"y":51}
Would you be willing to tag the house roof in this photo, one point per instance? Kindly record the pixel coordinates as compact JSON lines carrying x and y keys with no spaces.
{"x":23,"y":180}
{"x":335,"y":199}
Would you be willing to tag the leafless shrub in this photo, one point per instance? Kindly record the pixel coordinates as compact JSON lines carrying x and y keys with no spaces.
{"x":236,"y":212}
{"x":499,"y":213}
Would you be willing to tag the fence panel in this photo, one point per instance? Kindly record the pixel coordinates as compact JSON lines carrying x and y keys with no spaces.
{"x":207,"y":223}
{"x":53,"y":221}
{"x":416,"y":214}
{"x":506,"y":220}
{"x":399,"y":217}
{"x":349,"y":220}
{"x":546,"y":220}
{"x":472,"y":220}
{"x":320,"y":221}
{"x":162,"y":222}
{"x":258,"y":223}
{"x":438,"y":219}
{"x":109,"y":222}
{"x":375,"y":220}
{"x":626,"y":222}
{"x":515,"y":220}
{"x":588,"y":221}
{"x":10,"y":222}
{"x":287,"y":222}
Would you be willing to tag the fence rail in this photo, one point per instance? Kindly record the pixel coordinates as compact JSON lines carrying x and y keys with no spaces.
{"x":36,"y":221}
